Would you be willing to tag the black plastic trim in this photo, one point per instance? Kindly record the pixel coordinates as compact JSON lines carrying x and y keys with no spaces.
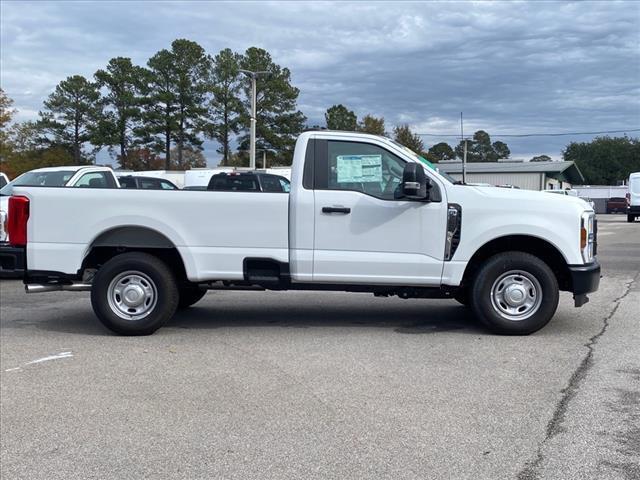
{"x":13,"y":261}
{"x":49,"y":277}
{"x":309,"y":165}
{"x":585,"y":278}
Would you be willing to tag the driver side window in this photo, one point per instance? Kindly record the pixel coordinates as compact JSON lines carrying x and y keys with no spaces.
{"x":363,"y":167}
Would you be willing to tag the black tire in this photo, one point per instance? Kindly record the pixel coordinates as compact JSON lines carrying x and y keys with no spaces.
{"x":523,"y":270}
{"x":190,"y":296}
{"x":630,"y":218}
{"x":134,"y":270}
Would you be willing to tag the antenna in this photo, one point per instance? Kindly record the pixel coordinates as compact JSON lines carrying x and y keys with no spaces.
{"x":464,"y":156}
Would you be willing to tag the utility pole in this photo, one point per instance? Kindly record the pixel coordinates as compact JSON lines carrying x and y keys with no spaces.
{"x":252,"y":145}
{"x":464,"y":156}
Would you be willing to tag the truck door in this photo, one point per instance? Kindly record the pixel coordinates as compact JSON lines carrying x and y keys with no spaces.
{"x":362,"y":233}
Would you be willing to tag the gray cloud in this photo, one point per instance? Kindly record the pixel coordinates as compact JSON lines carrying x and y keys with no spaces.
{"x":512,"y":67}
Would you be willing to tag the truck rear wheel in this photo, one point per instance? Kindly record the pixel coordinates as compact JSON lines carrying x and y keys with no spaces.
{"x":190,"y":296}
{"x":134,"y":294}
{"x":630,"y":218}
{"x":514,"y":293}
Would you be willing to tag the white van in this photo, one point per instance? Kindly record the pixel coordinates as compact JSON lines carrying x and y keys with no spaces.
{"x":633,"y":197}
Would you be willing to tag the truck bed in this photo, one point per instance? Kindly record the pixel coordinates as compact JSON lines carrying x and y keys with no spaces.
{"x":213,"y":231}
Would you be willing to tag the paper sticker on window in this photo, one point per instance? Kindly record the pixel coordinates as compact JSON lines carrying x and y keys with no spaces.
{"x":359,"y":168}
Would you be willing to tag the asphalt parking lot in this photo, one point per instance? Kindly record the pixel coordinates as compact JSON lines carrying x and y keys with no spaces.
{"x":326,"y":385}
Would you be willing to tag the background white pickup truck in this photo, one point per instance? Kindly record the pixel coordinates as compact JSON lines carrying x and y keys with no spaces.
{"x":363,"y":215}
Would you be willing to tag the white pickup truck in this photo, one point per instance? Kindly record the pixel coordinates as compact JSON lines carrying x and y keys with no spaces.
{"x":363,"y":215}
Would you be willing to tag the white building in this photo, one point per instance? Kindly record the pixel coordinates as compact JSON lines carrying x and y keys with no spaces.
{"x":525,"y":175}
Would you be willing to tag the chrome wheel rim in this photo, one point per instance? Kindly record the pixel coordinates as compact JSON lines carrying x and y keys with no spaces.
{"x":516,"y":295}
{"x":132,"y":295}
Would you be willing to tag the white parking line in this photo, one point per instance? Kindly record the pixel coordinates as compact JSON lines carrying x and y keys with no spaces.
{"x":57,"y":356}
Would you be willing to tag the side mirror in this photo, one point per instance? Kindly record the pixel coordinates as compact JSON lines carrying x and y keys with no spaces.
{"x":415,"y":183}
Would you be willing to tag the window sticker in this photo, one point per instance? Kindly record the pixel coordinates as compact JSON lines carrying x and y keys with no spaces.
{"x":359,"y":168}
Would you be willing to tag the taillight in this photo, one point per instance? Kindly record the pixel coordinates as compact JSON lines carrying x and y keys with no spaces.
{"x":17,"y":217}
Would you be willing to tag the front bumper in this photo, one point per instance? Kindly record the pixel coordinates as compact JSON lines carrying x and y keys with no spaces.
{"x":584,"y":279}
{"x":12,"y":261}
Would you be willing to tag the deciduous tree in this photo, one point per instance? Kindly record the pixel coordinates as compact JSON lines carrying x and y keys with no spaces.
{"x":541,"y":158}
{"x":441,"y":151}
{"x":6,"y":115}
{"x":403,"y":135}
{"x":372,"y":125}
{"x":191,"y":158}
{"x":605,"y":160}
{"x":480,"y":148}
{"x":29,"y":149}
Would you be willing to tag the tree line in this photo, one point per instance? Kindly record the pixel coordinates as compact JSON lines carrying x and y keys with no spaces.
{"x":158,"y":115}
{"x":479,"y":147}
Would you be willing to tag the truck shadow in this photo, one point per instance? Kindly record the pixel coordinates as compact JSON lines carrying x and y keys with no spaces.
{"x":412,"y":320}
{"x":418,"y":320}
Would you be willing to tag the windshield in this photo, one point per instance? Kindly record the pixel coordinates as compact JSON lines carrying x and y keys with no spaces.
{"x":39,"y":179}
{"x":424,"y":161}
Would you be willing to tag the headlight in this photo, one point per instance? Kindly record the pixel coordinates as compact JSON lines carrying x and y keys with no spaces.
{"x":587,"y":236}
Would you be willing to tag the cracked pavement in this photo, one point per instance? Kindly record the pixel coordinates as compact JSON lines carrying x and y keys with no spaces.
{"x":326,"y":385}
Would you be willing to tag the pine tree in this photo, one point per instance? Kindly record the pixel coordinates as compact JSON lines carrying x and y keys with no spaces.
{"x":71,"y":116}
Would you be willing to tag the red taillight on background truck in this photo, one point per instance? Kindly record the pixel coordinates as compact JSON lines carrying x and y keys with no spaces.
{"x":18,"y":216}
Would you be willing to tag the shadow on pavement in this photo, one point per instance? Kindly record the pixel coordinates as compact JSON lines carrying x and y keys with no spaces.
{"x":414,"y":320}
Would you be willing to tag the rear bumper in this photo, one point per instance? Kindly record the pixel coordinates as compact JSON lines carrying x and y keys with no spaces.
{"x":12,"y":261}
{"x":633,"y":209}
{"x":585,"y":279}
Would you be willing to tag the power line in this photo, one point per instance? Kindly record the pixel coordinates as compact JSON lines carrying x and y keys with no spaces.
{"x":536,"y":134}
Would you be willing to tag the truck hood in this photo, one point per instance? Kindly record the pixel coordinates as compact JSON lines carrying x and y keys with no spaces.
{"x":528,"y":199}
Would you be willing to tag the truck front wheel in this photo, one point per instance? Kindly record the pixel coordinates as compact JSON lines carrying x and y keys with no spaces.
{"x":134,"y":294}
{"x":514,"y":293}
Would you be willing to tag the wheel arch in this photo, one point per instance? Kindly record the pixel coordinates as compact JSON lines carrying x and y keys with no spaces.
{"x":134,"y":238}
{"x":541,"y":248}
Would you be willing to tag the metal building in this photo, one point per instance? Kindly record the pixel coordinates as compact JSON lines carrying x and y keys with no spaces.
{"x":525,"y":175}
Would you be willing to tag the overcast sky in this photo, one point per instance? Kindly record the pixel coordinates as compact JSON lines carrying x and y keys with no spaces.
{"x":512,"y":67}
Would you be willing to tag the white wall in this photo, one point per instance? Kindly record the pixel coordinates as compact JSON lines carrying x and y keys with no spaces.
{"x":601,"y":191}
{"x":526,"y":181}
